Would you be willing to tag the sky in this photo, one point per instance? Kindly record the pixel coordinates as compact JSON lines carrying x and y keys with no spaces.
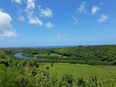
{"x":57,"y":22}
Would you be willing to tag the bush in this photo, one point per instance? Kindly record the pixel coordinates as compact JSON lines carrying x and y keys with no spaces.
{"x":51,"y":64}
{"x":47,"y":68}
{"x":81,"y":82}
{"x":114,"y":62}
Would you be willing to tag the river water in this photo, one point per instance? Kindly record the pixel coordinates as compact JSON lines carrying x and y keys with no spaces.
{"x":20,"y":56}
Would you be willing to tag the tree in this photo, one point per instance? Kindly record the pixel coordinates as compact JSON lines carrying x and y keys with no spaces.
{"x":4,"y":59}
{"x":47,"y":68}
{"x":114,"y":62}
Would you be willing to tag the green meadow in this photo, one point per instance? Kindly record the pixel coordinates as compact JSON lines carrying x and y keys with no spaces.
{"x":80,"y":70}
{"x":51,"y":54}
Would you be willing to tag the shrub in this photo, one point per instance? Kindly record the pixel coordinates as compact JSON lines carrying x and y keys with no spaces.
{"x":47,"y":68}
{"x":51,"y":64}
{"x":114,"y":62}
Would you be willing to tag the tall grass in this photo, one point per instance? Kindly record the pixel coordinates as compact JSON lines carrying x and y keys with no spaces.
{"x":80,"y":70}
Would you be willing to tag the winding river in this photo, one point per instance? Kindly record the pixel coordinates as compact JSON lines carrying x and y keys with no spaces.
{"x":20,"y":56}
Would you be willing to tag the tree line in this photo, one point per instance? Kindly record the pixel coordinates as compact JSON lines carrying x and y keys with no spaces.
{"x":94,"y":55}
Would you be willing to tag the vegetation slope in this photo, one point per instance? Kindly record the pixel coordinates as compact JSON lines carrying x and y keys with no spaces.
{"x":17,"y":72}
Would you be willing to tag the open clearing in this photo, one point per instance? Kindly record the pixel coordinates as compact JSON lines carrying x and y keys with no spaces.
{"x":51,"y":54}
{"x":80,"y":70}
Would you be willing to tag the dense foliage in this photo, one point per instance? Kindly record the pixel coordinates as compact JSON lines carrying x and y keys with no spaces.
{"x":93,"y":55}
{"x":26,"y":73}
{"x":103,"y":52}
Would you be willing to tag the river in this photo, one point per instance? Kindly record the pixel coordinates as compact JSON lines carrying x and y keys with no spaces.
{"x":20,"y":56}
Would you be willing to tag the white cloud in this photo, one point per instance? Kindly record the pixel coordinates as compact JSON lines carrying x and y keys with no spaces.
{"x":101,"y":3}
{"x":103,"y":18}
{"x":32,"y":17}
{"x":67,"y":34}
{"x":1,"y":9}
{"x":1,"y":38}
{"x":49,"y":37}
{"x":82,"y":9}
{"x":45,"y":13}
{"x":95,"y":9}
{"x":30,"y":4}
{"x":35,"y":21}
{"x":6,"y":29}
{"x":21,"y":18}
{"x":59,"y":35}
{"x":31,"y":37}
{"x":75,"y":19}
{"x":49,"y":25}
{"x":30,"y":13}
{"x":18,"y":1}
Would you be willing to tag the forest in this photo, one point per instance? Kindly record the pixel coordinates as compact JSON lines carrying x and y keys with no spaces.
{"x":19,"y":72}
{"x":92,"y":55}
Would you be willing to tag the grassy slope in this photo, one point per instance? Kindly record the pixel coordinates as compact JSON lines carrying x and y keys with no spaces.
{"x":81,"y":71}
{"x":51,"y":54}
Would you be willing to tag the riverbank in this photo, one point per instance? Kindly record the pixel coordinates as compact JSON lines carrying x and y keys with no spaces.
{"x":19,"y":55}
{"x":91,"y":55}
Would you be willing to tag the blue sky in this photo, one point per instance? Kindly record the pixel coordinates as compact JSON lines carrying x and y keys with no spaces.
{"x":57,"y":22}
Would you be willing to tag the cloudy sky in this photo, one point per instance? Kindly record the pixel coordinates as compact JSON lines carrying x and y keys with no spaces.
{"x":57,"y":22}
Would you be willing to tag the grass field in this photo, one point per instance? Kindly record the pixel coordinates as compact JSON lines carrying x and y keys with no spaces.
{"x":51,"y":54}
{"x":80,"y":71}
